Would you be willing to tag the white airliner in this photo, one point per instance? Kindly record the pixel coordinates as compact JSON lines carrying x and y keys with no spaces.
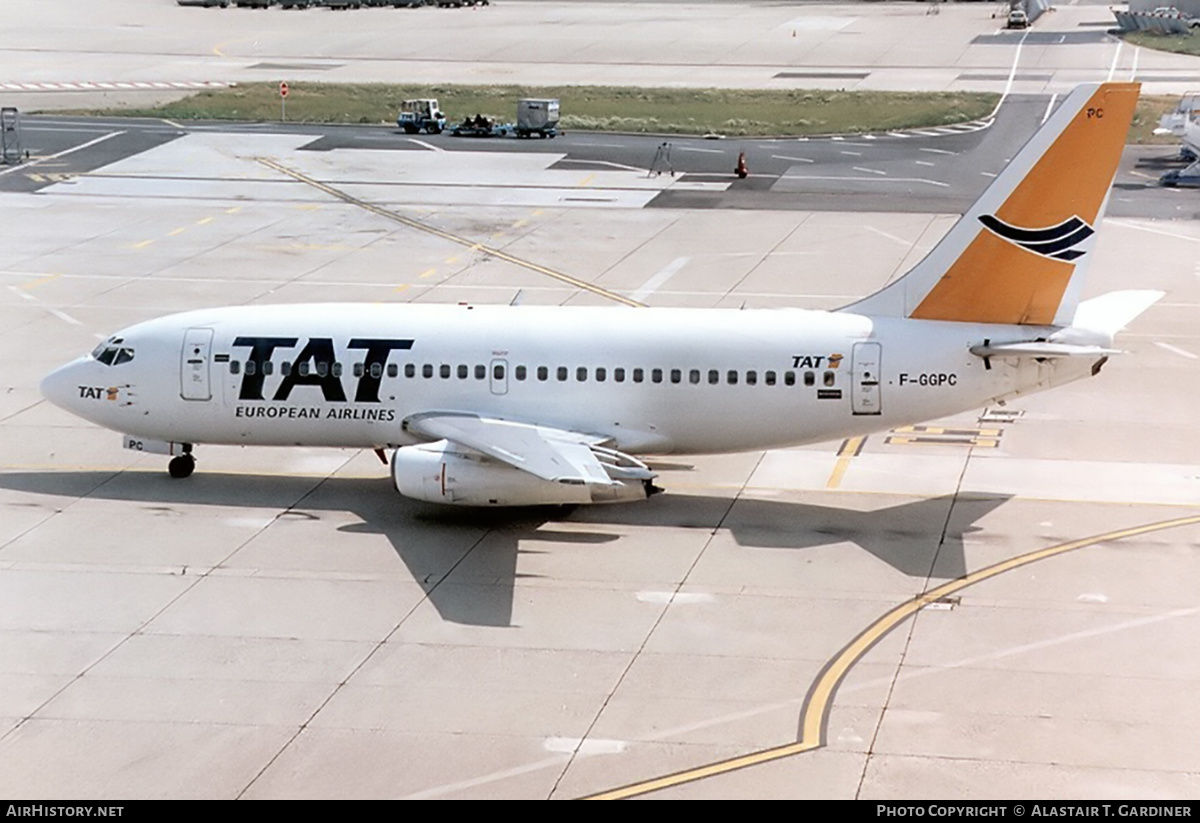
{"x":504,"y":405}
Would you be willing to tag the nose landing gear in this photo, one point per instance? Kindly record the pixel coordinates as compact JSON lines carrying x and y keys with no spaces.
{"x":182,"y":465}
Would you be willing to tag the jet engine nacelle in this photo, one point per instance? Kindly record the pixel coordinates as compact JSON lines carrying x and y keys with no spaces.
{"x":444,"y":472}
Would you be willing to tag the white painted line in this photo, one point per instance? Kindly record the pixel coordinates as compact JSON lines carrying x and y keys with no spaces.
{"x":1012,"y":73}
{"x":987,"y":174}
{"x":940,"y":151}
{"x":676,"y":598}
{"x":853,"y":153}
{"x":1177,"y":350}
{"x":869,"y":171}
{"x":1130,"y":224}
{"x":571,"y":745}
{"x":1116,"y":55}
{"x":22,"y":293}
{"x":899,"y":134}
{"x":62,"y":315}
{"x":871,"y":179}
{"x":892,"y":237}
{"x":796,"y":159}
{"x":924,"y":163}
{"x":1133,"y":71}
{"x":63,"y":153}
{"x":425,"y":145}
{"x":668,"y":271}
{"x":620,"y":166}
{"x":1049,"y":107}
{"x":692,"y":148}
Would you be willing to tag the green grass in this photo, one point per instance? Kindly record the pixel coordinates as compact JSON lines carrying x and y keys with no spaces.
{"x":667,"y":111}
{"x":1177,"y":43}
{"x":1146,"y":117}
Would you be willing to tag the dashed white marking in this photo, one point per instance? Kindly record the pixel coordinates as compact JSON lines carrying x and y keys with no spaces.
{"x":940,"y":151}
{"x":1092,"y":597}
{"x":668,"y":271}
{"x":425,"y":145}
{"x":1177,"y":350}
{"x":676,"y":598}
{"x":1049,"y":107}
{"x":693,"y":148}
{"x":572,"y":745}
{"x":987,"y":174}
{"x":924,"y":163}
{"x":853,"y":153}
{"x":869,"y":171}
{"x":795,"y":159}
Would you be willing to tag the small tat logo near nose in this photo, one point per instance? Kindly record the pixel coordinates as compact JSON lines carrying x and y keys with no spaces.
{"x":1057,"y":242}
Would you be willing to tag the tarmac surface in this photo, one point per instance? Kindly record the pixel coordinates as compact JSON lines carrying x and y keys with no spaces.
{"x":995,"y":605}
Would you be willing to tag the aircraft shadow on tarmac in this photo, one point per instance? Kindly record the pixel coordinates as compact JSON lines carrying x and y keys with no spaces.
{"x":467,"y":560}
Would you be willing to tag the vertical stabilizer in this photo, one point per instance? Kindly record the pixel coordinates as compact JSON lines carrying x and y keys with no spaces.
{"x":1020,"y":253}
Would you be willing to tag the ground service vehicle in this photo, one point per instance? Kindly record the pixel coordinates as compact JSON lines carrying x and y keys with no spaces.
{"x":421,"y":115}
{"x":538,"y":117}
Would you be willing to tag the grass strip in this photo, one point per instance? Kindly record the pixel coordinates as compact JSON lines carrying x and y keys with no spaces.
{"x":603,"y":108}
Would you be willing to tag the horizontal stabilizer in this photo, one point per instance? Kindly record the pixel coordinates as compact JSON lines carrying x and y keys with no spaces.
{"x":1109,"y":313}
{"x":1040,"y":349}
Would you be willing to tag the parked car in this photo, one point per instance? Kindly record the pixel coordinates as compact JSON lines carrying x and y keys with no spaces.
{"x":1018,"y":19}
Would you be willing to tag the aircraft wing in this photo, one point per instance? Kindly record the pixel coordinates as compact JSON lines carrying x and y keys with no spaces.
{"x":551,"y":454}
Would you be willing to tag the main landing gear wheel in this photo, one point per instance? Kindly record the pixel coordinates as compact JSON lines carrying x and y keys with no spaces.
{"x":182,"y":466}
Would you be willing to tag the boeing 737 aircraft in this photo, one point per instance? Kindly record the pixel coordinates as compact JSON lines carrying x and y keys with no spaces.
{"x":511,"y":405}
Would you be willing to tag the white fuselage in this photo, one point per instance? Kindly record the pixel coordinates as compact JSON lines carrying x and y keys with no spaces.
{"x":646,"y":380}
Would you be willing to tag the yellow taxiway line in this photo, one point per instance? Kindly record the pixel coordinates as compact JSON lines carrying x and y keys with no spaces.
{"x":445,"y":235}
{"x":819,"y":701}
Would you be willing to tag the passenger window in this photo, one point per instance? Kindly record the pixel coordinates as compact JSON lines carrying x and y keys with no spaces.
{"x":561,"y":373}
{"x":619,"y":375}
{"x":377,"y":370}
{"x":714,"y":377}
{"x":235,"y":366}
{"x":302,"y":368}
{"x":463,"y":371}
{"x":656,"y":375}
{"x":520,"y":372}
{"x":444,"y":371}
{"x":252,"y":368}
{"x":322,"y":369}
{"x":829,"y":378}
{"x":543,"y":373}
{"x":694,"y":376}
{"x":410,"y":370}
{"x":676,"y":375}
{"x":601,"y":374}
{"x":286,"y":368}
{"x":581,"y":374}
{"x":358,"y":369}
{"x":638,"y":375}
{"x":769,"y":378}
{"x":393,"y":370}
{"x":751,"y":378}
{"x":480,"y":371}
{"x":809,"y":379}
{"x":268,"y":367}
{"x":337,"y":369}
{"x":731,"y":377}
{"x":498,"y":372}
{"x":789,"y":378}
{"x":427,"y":370}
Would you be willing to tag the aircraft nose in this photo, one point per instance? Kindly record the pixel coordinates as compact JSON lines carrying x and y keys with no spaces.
{"x":60,"y":386}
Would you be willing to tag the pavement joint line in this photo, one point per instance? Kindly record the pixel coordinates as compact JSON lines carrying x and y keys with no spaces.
{"x":445,"y":235}
{"x":819,"y":701}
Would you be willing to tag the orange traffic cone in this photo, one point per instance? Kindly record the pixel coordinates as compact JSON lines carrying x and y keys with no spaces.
{"x":741,"y":170}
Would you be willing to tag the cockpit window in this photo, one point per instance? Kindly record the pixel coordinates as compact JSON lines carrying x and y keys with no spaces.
{"x":112,"y":355}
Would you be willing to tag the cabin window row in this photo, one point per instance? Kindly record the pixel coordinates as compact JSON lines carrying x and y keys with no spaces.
{"x":561,"y":374}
